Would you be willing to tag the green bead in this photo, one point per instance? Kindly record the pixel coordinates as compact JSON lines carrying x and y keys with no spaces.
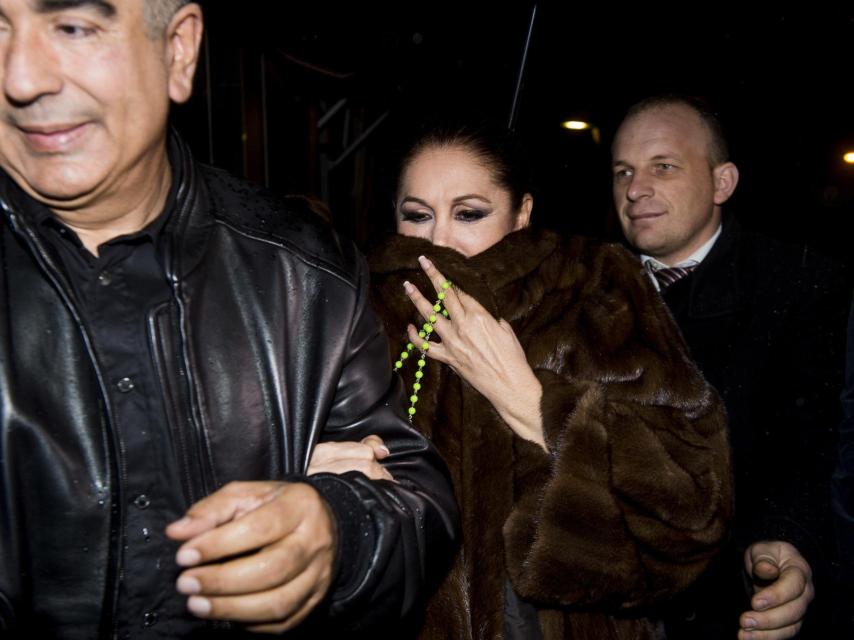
{"x":428,"y":328}
{"x":404,"y":355}
{"x":445,"y":312}
{"x":409,"y":346}
{"x":425,"y":346}
{"x":419,"y":375}
{"x":437,"y":307}
{"x":413,"y":399}
{"x":432,"y":318}
{"x":398,"y":364}
{"x":422,"y":334}
{"x":412,"y":411}
{"x":422,"y":363}
{"x":416,"y":386}
{"x":441,"y":296}
{"x":446,"y":284}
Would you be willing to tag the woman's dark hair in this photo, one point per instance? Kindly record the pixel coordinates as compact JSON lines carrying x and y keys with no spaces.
{"x":500,"y":151}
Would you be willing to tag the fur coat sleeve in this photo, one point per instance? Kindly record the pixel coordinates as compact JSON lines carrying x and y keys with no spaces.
{"x":635,"y":497}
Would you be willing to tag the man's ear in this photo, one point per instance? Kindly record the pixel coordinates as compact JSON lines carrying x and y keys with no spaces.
{"x":183,"y":38}
{"x":726,"y":180}
{"x":523,"y":217}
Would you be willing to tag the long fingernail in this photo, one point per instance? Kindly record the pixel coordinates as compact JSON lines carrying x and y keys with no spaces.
{"x":188,"y":585}
{"x":749,"y":623}
{"x":425,"y":262}
{"x":385,"y":448}
{"x":407,"y":286}
{"x":199,"y":606}
{"x":188,"y":557}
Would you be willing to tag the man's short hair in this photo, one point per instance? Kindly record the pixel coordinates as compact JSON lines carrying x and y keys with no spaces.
{"x":158,"y":13}
{"x":718,"y":146}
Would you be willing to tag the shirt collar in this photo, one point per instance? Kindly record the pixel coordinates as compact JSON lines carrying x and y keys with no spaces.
{"x":691,"y":261}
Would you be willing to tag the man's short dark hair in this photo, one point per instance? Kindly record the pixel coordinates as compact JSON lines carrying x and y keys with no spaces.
{"x":158,"y":13}
{"x":718,"y":146}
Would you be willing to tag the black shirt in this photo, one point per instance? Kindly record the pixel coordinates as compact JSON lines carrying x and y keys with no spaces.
{"x":116,"y":292}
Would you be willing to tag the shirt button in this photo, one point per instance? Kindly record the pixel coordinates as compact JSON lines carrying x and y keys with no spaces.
{"x":142,"y":501}
{"x":149,"y":619}
{"x":105,"y":278}
{"x":124,"y":385}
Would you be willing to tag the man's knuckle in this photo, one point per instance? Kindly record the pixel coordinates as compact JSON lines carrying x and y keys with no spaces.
{"x":280,"y":606}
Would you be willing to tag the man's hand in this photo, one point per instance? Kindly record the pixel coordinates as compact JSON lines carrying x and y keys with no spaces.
{"x":257,"y":552}
{"x":340,"y":457}
{"x":782,"y":591}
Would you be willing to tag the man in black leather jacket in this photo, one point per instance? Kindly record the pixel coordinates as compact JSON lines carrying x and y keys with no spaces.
{"x":173,"y":344}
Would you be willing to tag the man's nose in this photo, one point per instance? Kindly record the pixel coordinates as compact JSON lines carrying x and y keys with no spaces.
{"x":29,"y":68}
{"x":639,"y":187}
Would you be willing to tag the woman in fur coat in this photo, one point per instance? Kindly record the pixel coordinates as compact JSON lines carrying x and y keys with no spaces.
{"x":589,"y":456}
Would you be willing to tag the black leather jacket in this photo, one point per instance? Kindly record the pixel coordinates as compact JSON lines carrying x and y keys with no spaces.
{"x":267,"y":347}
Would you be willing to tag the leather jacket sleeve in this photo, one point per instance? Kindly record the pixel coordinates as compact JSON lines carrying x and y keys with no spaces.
{"x":5,"y":614}
{"x":395,"y":538}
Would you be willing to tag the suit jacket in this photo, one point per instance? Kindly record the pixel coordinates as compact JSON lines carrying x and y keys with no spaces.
{"x":765,"y":323}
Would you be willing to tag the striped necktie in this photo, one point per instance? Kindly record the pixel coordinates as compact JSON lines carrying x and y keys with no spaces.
{"x":666,"y":276}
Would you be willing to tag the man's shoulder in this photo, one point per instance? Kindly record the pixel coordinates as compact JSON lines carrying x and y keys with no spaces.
{"x":757,"y":275}
{"x":780,"y":259}
{"x":289,"y":222}
{"x":758,"y":257}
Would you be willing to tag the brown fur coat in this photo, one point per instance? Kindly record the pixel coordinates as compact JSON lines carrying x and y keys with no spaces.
{"x":634,"y":498}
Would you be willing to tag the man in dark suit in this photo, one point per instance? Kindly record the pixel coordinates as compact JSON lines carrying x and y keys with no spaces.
{"x":765,"y":323}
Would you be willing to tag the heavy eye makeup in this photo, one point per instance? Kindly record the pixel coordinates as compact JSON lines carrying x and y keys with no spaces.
{"x":415,"y":216}
{"x":470,"y":214}
{"x":461,"y":213}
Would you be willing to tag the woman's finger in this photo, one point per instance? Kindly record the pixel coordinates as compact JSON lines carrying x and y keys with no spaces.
{"x":377,"y":446}
{"x":434,"y":350}
{"x":447,"y":295}
{"x":434,"y":320}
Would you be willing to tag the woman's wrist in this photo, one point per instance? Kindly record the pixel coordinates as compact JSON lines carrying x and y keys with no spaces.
{"x":521,"y":411}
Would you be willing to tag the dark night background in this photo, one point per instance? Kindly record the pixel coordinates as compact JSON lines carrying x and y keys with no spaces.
{"x":312,"y":99}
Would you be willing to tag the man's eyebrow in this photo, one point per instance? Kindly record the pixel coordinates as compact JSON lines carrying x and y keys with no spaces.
{"x":104,"y":7}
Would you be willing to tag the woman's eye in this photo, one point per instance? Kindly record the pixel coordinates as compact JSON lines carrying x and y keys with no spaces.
{"x":470,"y":215}
{"x":414,"y":216}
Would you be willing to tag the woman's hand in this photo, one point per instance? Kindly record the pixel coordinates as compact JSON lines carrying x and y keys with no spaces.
{"x":485,"y":352}
{"x":340,"y":457}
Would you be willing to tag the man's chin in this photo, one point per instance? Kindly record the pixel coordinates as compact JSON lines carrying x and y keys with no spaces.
{"x":59,"y":194}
